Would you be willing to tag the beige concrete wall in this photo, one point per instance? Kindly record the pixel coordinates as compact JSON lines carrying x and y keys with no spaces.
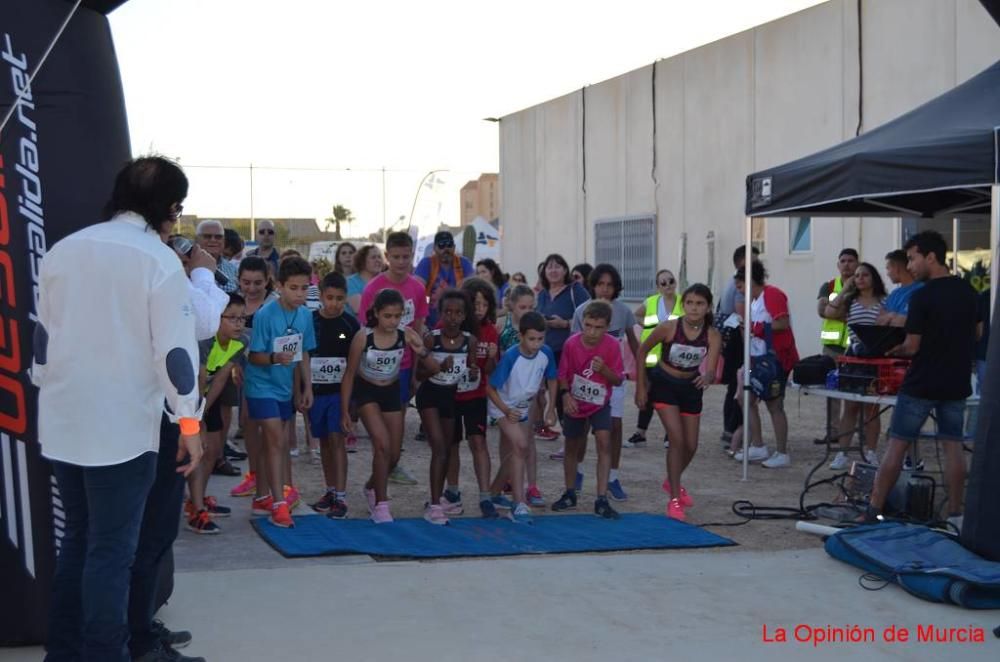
{"x":756,"y":99}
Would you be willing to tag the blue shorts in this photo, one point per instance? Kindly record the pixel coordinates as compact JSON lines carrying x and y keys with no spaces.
{"x":260,"y":409}
{"x":324,"y":417}
{"x":910,"y":414}
{"x":574,"y":428}
{"x":404,"y":385}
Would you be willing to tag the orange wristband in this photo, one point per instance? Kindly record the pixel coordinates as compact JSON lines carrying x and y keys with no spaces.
{"x":189,"y":426}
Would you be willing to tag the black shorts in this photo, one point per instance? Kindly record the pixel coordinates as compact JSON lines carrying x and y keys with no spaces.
{"x":386,"y":397}
{"x":470,"y":418}
{"x":433,"y":396}
{"x":665,"y":389}
{"x":230,"y":396}
{"x":213,"y":417}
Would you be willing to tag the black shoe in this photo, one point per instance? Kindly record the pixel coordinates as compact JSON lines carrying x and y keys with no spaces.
{"x":178,"y":639}
{"x":165,"y":653}
{"x":602,"y":508}
{"x":566,"y":502}
{"x":231,"y":453}
{"x":224,"y":468}
{"x":338,"y":510}
{"x":637,"y":440}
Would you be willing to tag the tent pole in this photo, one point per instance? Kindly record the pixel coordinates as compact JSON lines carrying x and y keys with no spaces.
{"x":994,"y":237}
{"x":954,"y":246}
{"x":747,"y":287}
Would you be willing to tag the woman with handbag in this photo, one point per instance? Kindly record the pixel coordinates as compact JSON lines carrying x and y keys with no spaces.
{"x":772,"y":357}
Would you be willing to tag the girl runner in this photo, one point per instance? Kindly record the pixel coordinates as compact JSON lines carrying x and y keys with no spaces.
{"x":677,"y":386}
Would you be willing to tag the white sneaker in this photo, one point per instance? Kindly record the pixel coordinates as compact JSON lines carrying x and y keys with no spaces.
{"x":956,"y":521}
{"x":757,"y":453}
{"x":871,"y":457}
{"x":840,"y":461}
{"x":294,"y":452}
{"x":777,"y":461}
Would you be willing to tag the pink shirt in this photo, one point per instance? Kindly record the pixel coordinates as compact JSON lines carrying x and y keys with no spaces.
{"x":590,"y":389}
{"x":414,"y":304}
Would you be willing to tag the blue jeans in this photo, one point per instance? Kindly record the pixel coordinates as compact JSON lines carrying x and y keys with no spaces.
{"x":160,"y":523}
{"x":103,"y":505}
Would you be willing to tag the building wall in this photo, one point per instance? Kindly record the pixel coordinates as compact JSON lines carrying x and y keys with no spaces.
{"x":480,"y":197}
{"x":681,"y":146}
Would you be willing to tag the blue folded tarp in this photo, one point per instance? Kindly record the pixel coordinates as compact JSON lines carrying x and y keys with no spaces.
{"x":927,"y":563}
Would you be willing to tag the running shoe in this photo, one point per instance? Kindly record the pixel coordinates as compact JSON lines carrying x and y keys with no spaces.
{"x":871,"y":457}
{"x":371,"y":499}
{"x":488,"y":510}
{"x":558,"y":455}
{"x":338,"y":510}
{"x":325,"y":503}
{"x":215,"y":509}
{"x":501,"y":502}
{"x":566,"y":502}
{"x":578,"y":484}
{"x":172,"y":638}
{"x":224,"y":468}
{"x":351,"y":443}
{"x":839,"y":461}
{"x":545,"y":433}
{"x":616,"y":491}
{"x":400,"y":476}
{"x":908,"y":464}
{"x":202,"y":523}
{"x":757,"y":454}
{"x":292,"y":497}
{"x":534,"y":496}
{"x":262,"y":506}
{"x":452,"y":503}
{"x":381,"y":514}
{"x":521,"y":514}
{"x":637,"y":440}
{"x":603,"y":509}
{"x":247,"y":487}
{"x":434,"y":513}
{"x":684,"y":498}
{"x":282,"y":516}
{"x":294,"y":452}
{"x":675,"y":510}
{"x":777,"y":461}
{"x":233,"y":453}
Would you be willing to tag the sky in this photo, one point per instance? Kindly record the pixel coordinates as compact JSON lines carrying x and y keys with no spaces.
{"x":322,"y":95}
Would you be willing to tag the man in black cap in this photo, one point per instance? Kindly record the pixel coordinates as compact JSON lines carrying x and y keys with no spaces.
{"x":441,"y":271}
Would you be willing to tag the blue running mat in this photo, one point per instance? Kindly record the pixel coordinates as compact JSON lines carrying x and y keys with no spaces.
{"x":468,"y":536}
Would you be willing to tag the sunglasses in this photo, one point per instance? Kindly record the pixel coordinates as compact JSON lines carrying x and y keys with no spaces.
{"x":176,"y":212}
{"x":265,"y":231}
{"x":669,"y":281}
{"x":213,"y":236}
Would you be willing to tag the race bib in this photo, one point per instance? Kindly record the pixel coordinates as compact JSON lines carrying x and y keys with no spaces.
{"x":454,"y":374}
{"x":687,"y":357}
{"x":585,"y":390}
{"x":408,"y":312}
{"x":290,"y":343}
{"x":328,"y":369}
{"x":466,"y":384}
{"x":384,"y":362}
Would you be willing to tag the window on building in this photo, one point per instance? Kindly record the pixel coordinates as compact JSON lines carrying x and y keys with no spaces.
{"x":799,"y":234}
{"x":758,"y":233}
{"x":628,"y":243}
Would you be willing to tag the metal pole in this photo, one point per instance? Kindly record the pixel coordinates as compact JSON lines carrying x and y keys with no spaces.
{"x":383,"y":202}
{"x":954,"y":246}
{"x":747,"y":300}
{"x":253,"y":223}
{"x":994,"y":238}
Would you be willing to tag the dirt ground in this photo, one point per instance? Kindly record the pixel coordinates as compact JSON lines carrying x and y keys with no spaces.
{"x":713,"y":479}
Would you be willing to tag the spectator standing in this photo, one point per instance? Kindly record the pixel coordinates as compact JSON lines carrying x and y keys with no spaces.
{"x":210,"y":236}
{"x":732,"y":349}
{"x":265,"y":246}
{"x":441,"y":271}
{"x":897,"y":304}
{"x":343,"y":264}
{"x":833,"y":332}
{"x":368,"y":263}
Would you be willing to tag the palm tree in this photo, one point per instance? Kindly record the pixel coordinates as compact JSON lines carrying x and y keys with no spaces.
{"x":341,"y":214}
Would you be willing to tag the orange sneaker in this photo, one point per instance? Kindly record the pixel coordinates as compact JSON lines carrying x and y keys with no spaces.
{"x":292,"y":497}
{"x":281,"y":516}
{"x":262,"y":506}
{"x":247,"y":487}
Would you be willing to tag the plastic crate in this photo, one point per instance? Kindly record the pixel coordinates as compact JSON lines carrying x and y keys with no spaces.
{"x":870,"y":376}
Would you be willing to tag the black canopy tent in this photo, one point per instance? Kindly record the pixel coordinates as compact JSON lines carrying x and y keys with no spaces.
{"x":940,"y":160}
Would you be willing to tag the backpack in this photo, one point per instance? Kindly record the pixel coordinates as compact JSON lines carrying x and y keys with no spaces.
{"x":765,"y":371}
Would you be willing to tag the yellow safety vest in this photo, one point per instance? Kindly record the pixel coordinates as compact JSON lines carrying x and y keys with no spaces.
{"x":650,"y":321}
{"x":218,"y":356}
{"x":834,"y":332}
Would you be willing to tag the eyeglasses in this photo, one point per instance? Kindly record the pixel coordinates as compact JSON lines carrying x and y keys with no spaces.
{"x":176,"y":212}
{"x":217,"y":237}
{"x":265,"y":231}
{"x":235,"y":319}
{"x":669,"y":281}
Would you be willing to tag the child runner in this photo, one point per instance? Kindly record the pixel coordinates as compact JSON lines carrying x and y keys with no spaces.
{"x":335,"y":329}
{"x":470,"y":403}
{"x":606,"y":284}
{"x":512,"y":388}
{"x":282,"y":339}
{"x":372,"y":381}
{"x":220,"y":357}
{"x":399,"y":255}
{"x":521,"y":300}
{"x":590,"y":366}
{"x":677,"y":385}
{"x":256,"y":290}
{"x":453,"y":347}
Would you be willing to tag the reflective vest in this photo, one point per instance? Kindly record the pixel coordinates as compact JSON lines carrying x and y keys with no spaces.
{"x":219,"y":357}
{"x":651,"y":319}
{"x":834,"y":332}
